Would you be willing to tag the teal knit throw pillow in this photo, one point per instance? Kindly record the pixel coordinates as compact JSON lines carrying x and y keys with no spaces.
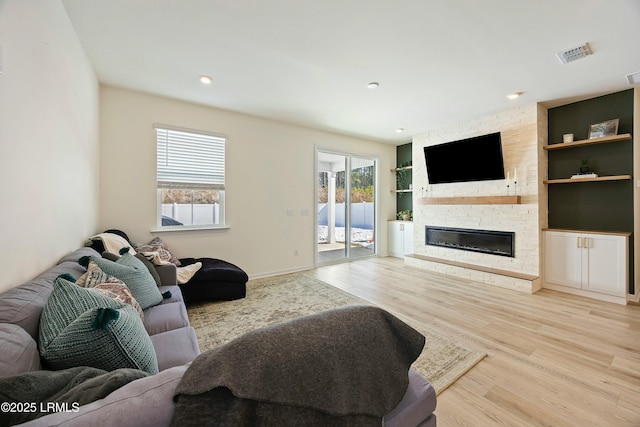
{"x":81,"y":327}
{"x":135,"y":275}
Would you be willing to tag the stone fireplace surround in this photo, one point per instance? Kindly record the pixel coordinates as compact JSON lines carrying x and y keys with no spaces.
{"x":524,"y":132}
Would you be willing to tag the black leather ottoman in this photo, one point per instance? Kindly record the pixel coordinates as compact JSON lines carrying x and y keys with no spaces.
{"x":216,"y":280}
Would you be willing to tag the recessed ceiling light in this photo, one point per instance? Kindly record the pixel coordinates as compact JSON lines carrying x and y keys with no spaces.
{"x":205,"y":79}
{"x":373,"y":85}
{"x":514,"y":95}
{"x":400,"y":130}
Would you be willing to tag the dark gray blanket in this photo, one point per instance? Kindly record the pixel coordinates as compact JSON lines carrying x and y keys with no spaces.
{"x":347,"y":366}
{"x":34,"y":394}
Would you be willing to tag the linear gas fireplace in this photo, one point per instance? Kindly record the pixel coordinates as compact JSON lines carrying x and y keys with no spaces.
{"x":484,"y":241}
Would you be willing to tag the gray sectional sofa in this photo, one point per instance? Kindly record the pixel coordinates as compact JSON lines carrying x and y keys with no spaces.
{"x":147,"y":401}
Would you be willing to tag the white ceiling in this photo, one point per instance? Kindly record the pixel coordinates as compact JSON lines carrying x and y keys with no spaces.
{"x":309,"y":62}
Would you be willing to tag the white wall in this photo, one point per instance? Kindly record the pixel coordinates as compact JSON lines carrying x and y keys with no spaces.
{"x":48,"y":139}
{"x":269,"y":164}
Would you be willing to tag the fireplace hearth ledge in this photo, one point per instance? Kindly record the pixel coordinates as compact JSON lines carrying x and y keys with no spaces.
{"x":516,"y":281}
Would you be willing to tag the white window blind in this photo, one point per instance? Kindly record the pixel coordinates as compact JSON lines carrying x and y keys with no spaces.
{"x":190,"y":160}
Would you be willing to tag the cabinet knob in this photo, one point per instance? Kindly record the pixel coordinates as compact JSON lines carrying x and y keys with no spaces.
{"x":578,"y":242}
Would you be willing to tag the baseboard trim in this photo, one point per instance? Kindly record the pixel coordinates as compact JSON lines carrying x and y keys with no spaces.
{"x":588,"y":294}
{"x":280,"y":272}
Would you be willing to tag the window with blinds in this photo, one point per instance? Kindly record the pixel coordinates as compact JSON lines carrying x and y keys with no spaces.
{"x":190,"y":177}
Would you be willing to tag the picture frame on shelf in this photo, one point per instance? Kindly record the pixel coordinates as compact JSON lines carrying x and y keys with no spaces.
{"x":607,"y":128}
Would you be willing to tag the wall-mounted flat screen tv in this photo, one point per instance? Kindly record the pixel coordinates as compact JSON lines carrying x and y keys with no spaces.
{"x":472,"y":159}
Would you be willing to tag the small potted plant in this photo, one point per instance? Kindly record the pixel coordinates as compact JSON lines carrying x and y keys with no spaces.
{"x":585,"y":168}
{"x":405,"y":215}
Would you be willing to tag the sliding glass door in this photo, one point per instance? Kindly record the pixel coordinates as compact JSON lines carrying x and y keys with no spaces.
{"x":332,"y":209}
{"x":362,"y":207}
{"x":345,"y":206}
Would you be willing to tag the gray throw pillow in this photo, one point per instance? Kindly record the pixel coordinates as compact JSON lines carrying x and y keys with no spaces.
{"x":135,"y":275}
{"x":143,"y":259}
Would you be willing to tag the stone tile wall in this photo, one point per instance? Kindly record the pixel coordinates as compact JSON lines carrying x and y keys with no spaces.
{"x":524,"y":132}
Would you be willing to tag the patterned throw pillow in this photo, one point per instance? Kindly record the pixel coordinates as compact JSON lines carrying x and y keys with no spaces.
{"x":135,"y":275}
{"x":81,"y":327}
{"x":94,"y":276}
{"x":120,"y":292}
{"x":157,"y":245}
{"x":108,"y":286}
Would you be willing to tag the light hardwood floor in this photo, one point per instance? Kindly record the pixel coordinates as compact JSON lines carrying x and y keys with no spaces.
{"x":554,"y":359}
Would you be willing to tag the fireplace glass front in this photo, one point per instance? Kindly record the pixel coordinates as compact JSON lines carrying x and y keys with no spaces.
{"x":485,"y":241}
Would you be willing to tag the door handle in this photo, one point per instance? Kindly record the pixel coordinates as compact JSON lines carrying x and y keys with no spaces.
{"x":582,"y":242}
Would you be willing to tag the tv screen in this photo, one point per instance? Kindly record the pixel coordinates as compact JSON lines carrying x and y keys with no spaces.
{"x":472,"y":159}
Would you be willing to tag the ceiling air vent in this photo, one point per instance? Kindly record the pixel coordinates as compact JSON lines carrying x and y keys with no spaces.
{"x":634,"y":78}
{"x":574,"y":54}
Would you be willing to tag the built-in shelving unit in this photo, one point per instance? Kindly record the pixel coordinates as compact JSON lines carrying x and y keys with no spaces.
{"x":582,"y":143}
{"x":588,"y":240}
{"x":406,"y":168}
{"x":475,"y":200}
{"x":403,"y":171}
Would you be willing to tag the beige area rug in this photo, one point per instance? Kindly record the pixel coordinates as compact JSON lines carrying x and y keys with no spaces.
{"x":280,"y":298}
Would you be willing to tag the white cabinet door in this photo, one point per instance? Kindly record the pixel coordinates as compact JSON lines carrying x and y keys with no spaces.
{"x":605,"y":264}
{"x":590,"y":262}
{"x":400,"y":238}
{"x":563,"y":259}
{"x":395,"y":239}
{"x":407,"y":236}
